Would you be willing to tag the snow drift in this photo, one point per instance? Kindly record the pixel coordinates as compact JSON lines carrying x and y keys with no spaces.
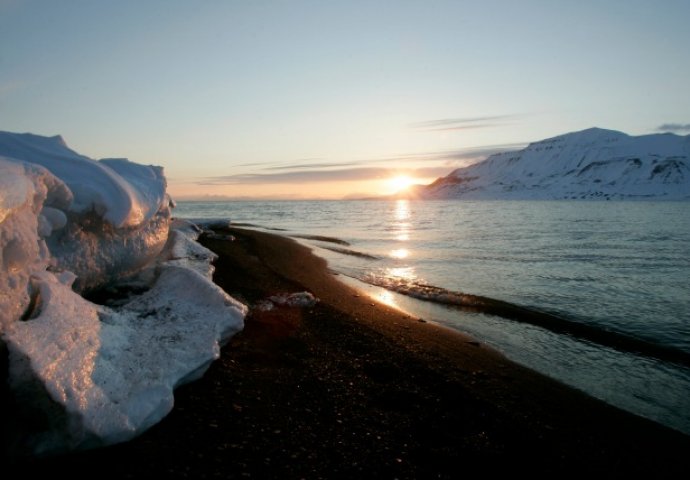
{"x":590,"y":164}
{"x":99,"y":374}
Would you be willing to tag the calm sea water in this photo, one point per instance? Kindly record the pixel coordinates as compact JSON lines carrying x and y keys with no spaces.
{"x":622,"y":267}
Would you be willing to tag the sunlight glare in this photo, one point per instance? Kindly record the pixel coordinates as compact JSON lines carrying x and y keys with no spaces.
{"x":400,"y":183}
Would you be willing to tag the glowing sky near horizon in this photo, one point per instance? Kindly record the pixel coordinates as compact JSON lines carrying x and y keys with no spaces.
{"x":299,"y":98}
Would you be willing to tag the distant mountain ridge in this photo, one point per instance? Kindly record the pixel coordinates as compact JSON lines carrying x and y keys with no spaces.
{"x":589,"y":164}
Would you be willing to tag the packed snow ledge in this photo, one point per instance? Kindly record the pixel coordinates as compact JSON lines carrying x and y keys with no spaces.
{"x":72,"y":228}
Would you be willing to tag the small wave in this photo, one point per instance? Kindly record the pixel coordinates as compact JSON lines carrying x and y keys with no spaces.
{"x":253,"y":225}
{"x":321,"y":238}
{"x":550,"y":321}
{"x":352,"y":253}
{"x":239,"y":224}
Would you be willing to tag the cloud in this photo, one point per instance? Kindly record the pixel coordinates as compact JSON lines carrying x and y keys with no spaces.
{"x":324,"y":175}
{"x":480,"y":153}
{"x":306,"y":166}
{"x":465,"y":123}
{"x":417,"y":165}
{"x":255,"y":164}
{"x":310,"y":176}
{"x":430,"y":172}
{"x":450,"y":157}
{"x":674,"y":127}
{"x":216,"y":198}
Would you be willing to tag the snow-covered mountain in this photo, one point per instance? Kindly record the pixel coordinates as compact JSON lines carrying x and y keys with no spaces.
{"x":590,"y":164}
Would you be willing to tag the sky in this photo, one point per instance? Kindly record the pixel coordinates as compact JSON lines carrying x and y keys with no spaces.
{"x":320,"y":99}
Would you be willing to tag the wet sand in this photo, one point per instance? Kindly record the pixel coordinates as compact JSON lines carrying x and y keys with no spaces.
{"x":352,"y":388}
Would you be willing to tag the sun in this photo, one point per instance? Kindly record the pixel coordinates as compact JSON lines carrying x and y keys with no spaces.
{"x":400,"y":183}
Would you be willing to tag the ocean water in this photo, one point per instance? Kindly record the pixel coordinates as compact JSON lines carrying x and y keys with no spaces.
{"x":594,"y":294}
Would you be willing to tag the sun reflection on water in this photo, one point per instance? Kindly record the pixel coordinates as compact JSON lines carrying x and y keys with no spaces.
{"x":402,"y":227}
{"x":386,"y":298}
{"x":402,"y":210}
{"x":401,"y":224}
{"x":402,"y":273}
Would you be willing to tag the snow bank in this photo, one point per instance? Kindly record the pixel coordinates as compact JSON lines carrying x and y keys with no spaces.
{"x":99,"y":374}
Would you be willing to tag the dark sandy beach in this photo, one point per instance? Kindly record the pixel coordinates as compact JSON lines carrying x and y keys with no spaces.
{"x":351,"y":388}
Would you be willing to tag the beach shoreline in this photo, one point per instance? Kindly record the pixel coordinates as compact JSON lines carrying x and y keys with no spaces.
{"x":351,"y":387}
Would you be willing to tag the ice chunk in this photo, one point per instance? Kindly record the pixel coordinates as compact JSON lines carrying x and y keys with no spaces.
{"x":23,"y":191}
{"x":125,"y":194}
{"x":51,"y":219}
{"x":182,"y":248}
{"x":99,"y":374}
{"x":109,"y":220}
{"x":100,"y":254}
{"x":114,"y":371}
{"x":299,"y":299}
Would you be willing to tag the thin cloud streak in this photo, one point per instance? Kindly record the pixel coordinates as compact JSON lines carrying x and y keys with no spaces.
{"x":674,"y":127}
{"x":306,"y":166}
{"x":483,"y":152}
{"x":473,"y":154}
{"x":466,"y":127}
{"x":314,"y":176}
{"x":255,"y":164}
{"x":445,"y":122}
{"x":467,"y":123}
